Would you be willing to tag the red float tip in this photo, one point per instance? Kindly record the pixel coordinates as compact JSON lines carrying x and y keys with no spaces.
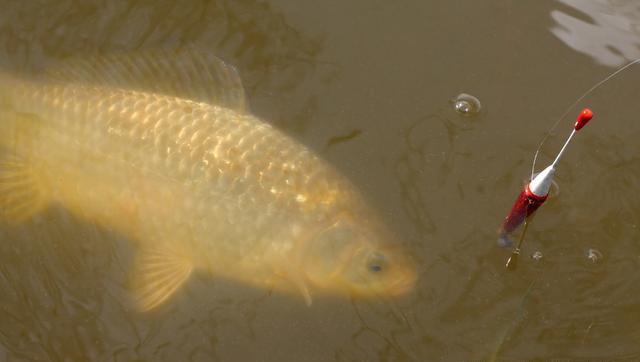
{"x":584,"y":117}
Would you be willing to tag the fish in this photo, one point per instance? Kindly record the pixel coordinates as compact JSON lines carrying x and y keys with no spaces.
{"x":161,"y":146}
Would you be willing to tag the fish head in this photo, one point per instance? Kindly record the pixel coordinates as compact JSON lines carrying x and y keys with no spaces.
{"x":351,"y":256}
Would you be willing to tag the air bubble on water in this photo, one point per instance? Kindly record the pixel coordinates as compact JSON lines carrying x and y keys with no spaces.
{"x":466,"y":104}
{"x":537,"y":255}
{"x":594,"y":255}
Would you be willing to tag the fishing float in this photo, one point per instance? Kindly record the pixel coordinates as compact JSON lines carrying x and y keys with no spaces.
{"x":535,"y":193}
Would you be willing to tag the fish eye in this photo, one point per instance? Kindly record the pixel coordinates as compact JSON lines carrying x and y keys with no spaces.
{"x":376,"y":262}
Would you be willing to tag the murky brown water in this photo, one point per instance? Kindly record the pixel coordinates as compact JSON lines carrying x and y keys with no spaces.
{"x":368,"y":85}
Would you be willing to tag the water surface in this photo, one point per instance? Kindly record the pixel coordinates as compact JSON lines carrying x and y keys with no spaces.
{"x":368,"y":85}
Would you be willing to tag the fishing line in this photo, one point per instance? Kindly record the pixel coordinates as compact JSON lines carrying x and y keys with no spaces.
{"x":597,"y":85}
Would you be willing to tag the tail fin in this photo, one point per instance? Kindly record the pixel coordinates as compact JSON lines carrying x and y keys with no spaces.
{"x":21,"y":195}
{"x":21,"y":188}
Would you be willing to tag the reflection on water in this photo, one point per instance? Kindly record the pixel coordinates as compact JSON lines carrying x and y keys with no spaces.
{"x":606,"y":30}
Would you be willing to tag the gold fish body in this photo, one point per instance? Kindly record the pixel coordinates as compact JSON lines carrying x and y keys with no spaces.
{"x":198,"y":182}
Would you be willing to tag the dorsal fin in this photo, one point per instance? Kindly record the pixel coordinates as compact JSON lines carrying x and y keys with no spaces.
{"x":187,"y":73}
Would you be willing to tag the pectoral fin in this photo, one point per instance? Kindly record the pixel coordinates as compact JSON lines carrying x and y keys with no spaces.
{"x":294,"y":276}
{"x":302,"y":287}
{"x":158,"y":274}
{"x":21,"y":194}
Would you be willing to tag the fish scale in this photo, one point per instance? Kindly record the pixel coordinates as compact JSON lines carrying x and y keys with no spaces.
{"x":134,"y":127}
{"x":194,"y":179}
